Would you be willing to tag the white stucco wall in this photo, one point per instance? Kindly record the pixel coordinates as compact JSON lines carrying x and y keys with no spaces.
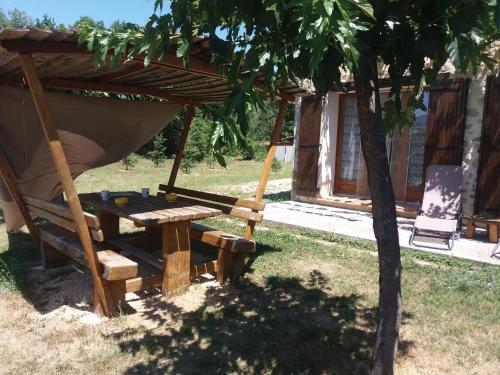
{"x":328,"y":141}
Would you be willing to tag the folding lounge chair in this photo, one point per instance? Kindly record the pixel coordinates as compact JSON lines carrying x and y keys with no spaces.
{"x":495,"y":253}
{"x":440,"y":214}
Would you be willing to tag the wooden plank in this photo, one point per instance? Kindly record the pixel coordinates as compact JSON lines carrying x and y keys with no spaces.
{"x":220,"y":239}
{"x":176,"y":256}
{"x":116,"y":266}
{"x":201,"y":269}
{"x":126,"y":72}
{"x":96,"y":234}
{"x":143,"y":283}
{"x":114,"y":87}
{"x":58,"y":209}
{"x":224,"y":199}
{"x":171,"y":211}
{"x":64,"y":173}
{"x":182,"y":144}
{"x":8,"y":178}
{"x":128,"y":249}
{"x":227,"y":210}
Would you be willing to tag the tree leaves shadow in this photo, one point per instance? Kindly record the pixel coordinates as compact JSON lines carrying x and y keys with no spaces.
{"x":283,"y":326}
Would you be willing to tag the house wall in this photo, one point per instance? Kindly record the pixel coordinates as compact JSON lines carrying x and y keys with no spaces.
{"x":472,"y":138}
{"x":284,"y":153}
{"x":328,"y":141}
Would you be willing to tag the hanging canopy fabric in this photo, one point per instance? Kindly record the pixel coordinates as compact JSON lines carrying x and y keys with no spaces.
{"x":95,"y":131}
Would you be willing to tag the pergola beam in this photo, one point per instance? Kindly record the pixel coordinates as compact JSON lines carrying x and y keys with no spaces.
{"x":8,"y":178}
{"x":64,"y":173}
{"x":182,"y":144}
{"x":266,"y":170}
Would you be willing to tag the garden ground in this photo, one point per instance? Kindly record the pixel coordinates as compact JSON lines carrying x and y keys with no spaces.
{"x":307,"y":304}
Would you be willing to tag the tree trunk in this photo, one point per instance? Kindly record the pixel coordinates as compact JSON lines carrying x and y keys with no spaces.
{"x":384,"y":223}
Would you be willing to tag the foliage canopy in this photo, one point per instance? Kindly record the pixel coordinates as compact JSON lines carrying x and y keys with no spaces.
{"x":295,"y":40}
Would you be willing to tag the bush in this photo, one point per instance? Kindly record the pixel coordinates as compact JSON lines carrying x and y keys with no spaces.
{"x":157,"y":153}
{"x":255,"y":150}
{"x":276,"y":166}
{"x":130,"y":161}
{"x":198,"y":143}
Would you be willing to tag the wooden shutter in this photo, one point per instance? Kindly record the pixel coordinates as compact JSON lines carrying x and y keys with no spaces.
{"x":446,"y":122}
{"x":308,"y":147}
{"x":488,"y":179}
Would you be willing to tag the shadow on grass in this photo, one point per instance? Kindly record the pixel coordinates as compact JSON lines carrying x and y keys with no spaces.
{"x":284,"y":326}
{"x":21,"y":253}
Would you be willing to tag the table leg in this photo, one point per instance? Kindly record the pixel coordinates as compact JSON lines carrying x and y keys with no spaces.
{"x":493,"y":232}
{"x":176,"y":257}
{"x":469,"y":232}
{"x":110,"y":224}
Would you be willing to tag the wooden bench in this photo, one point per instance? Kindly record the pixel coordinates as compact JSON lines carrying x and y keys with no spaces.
{"x":59,"y":241}
{"x":231,"y":249}
{"x":491,"y":223}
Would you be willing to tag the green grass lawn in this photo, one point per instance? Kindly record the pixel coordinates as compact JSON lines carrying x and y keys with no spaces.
{"x":238,"y":172}
{"x":307,"y":305}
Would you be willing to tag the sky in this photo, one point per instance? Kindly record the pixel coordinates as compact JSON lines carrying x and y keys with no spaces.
{"x":68,"y":11}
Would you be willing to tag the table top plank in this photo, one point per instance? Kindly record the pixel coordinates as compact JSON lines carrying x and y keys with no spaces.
{"x":151,"y":210}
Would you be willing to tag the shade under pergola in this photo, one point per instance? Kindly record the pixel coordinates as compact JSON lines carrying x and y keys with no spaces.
{"x":37,"y":59}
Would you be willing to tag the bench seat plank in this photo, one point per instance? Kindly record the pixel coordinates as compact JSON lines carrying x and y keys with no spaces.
{"x":220,"y":239}
{"x":115,"y":266}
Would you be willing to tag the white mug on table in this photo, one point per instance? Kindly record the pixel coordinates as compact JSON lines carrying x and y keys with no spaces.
{"x":105,"y":195}
{"x":145,"y":192}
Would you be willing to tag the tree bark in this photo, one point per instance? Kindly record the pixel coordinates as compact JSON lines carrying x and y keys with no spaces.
{"x":384,"y":223}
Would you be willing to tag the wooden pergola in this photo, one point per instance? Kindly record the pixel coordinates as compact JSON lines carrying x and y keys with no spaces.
{"x":53,"y":59}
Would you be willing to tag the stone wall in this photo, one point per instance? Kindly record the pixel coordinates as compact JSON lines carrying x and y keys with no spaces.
{"x":472,"y":141}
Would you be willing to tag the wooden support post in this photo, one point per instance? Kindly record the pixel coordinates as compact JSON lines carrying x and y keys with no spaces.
{"x":104,"y":300}
{"x":176,"y":257}
{"x":275,"y":137}
{"x":51,"y":257}
{"x":110,"y":224}
{"x":8,"y":178}
{"x":182,"y":144}
{"x":225,"y":264}
{"x":492,"y":232}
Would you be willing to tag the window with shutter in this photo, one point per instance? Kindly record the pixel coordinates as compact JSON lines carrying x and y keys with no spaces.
{"x":446,"y":122}
{"x":308,"y":146}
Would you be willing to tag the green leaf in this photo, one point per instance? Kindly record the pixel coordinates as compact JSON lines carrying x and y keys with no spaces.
{"x":364,"y":6}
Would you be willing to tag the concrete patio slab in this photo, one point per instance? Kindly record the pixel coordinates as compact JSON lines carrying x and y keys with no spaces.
{"x":357,"y":224}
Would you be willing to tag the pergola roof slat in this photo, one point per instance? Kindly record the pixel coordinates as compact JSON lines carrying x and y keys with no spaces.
{"x":62,"y":62}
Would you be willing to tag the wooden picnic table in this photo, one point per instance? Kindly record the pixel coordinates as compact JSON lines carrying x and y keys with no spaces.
{"x":174,"y":219}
